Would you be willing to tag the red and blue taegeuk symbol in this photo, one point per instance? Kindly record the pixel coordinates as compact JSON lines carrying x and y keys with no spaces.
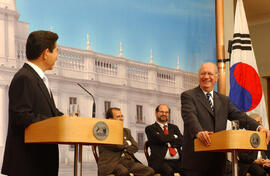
{"x":245,"y":87}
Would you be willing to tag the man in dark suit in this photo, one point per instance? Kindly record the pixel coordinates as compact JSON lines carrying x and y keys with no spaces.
{"x":165,"y":141}
{"x":120,"y":159}
{"x":31,"y":101}
{"x":256,"y":163}
{"x":204,"y":112}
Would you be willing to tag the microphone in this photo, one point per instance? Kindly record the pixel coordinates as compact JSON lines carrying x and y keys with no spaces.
{"x":94,"y":102}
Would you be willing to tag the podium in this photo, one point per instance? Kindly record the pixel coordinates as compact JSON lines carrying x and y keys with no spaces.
{"x":233,"y":141}
{"x":75,"y":130}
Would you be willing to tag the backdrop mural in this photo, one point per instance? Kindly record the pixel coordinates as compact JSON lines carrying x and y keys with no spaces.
{"x":166,"y":30}
{"x":171,"y":28}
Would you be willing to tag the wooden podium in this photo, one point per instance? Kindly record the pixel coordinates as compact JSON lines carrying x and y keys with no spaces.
{"x":233,"y":141}
{"x":75,"y":130}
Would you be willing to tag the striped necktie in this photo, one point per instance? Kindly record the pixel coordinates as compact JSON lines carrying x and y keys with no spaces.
{"x":208,"y":95}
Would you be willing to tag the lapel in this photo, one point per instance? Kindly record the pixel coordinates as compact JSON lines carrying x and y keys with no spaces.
{"x":159,"y":129}
{"x":170,"y":129}
{"x":42,"y":87}
{"x":217,"y":102}
{"x":125,"y":135}
{"x":202,"y":98}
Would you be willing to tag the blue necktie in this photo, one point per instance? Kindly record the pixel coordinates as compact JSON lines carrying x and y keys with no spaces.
{"x":208,"y":95}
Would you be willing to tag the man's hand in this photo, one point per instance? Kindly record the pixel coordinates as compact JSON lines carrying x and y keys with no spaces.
{"x":266,"y":163}
{"x":266,"y":131}
{"x":204,"y":137}
{"x":259,"y":161}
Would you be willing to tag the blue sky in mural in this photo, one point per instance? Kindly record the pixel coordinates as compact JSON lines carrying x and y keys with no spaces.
{"x":171,"y":28}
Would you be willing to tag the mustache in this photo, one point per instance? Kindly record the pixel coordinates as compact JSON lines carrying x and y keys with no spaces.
{"x":162,"y":120}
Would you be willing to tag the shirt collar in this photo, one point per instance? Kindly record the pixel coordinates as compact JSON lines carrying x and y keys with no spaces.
{"x":37,"y":69}
{"x":211,"y":92}
{"x":161,"y":124}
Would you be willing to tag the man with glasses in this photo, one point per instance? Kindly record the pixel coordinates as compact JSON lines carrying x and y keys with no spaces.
{"x":204,"y":112}
{"x":257,"y":163}
{"x":165,"y":141}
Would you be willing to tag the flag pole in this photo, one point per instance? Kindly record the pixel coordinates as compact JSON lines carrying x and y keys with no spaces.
{"x":220,"y":49}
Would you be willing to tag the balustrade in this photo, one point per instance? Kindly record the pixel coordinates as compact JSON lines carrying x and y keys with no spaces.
{"x":70,"y":59}
{"x":136,"y":73}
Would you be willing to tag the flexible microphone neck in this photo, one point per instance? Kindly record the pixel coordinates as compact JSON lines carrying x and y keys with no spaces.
{"x":241,"y":110}
{"x":94,"y":102}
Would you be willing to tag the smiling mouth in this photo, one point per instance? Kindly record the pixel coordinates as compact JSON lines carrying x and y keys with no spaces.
{"x":207,"y":81}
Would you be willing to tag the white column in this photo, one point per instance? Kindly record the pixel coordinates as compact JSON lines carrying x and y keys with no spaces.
{"x":3,"y":113}
{"x":86,"y":105}
{"x":4,"y":119}
{"x":90,"y":64}
{"x":178,"y":82}
{"x":2,"y":36}
{"x":122,"y":73}
{"x":10,"y":23}
{"x":152,"y":79}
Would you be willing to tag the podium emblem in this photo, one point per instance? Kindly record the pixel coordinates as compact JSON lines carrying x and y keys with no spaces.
{"x":101,"y":130}
{"x":255,"y":140}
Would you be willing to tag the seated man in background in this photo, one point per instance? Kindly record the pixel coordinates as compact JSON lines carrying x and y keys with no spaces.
{"x":165,"y":141}
{"x":120,"y":159}
{"x":256,"y":163}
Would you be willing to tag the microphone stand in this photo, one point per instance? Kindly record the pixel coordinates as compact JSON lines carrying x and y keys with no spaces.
{"x":79,"y":147}
{"x":94,"y":102}
{"x":235,"y":152}
{"x":241,"y":110}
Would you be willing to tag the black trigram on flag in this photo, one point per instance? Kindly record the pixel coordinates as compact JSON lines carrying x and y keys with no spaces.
{"x":241,"y":41}
{"x":245,"y":87}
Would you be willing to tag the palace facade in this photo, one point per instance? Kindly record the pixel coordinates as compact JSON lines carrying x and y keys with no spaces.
{"x":115,"y":81}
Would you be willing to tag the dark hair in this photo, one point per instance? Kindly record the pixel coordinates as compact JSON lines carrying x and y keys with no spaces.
{"x":157,"y":108}
{"x":109,"y":113}
{"x":38,"y":41}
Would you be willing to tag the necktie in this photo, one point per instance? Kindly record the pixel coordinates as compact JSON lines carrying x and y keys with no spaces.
{"x":208,"y":95}
{"x":263,"y":155}
{"x":171,"y":150}
{"x":46,"y":82}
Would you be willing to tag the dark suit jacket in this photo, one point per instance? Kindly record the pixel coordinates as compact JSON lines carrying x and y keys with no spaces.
{"x":198,"y":116}
{"x":29,"y":102}
{"x":246,"y":159}
{"x":158,"y":143}
{"x":109,"y":155}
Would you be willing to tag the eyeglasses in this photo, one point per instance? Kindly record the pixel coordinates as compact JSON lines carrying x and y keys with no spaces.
{"x":163,"y":112}
{"x":209,"y":74}
{"x":120,"y":116}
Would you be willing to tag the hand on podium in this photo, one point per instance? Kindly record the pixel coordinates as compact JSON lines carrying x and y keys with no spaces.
{"x":259,"y":161}
{"x":266,"y":131}
{"x":204,"y":137}
{"x":266,"y":163}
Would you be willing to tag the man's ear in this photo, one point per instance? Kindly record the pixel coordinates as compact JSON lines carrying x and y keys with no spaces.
{"x":45,"y":53}
{"x":42,"y":54}
{"x":218,"y":75}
